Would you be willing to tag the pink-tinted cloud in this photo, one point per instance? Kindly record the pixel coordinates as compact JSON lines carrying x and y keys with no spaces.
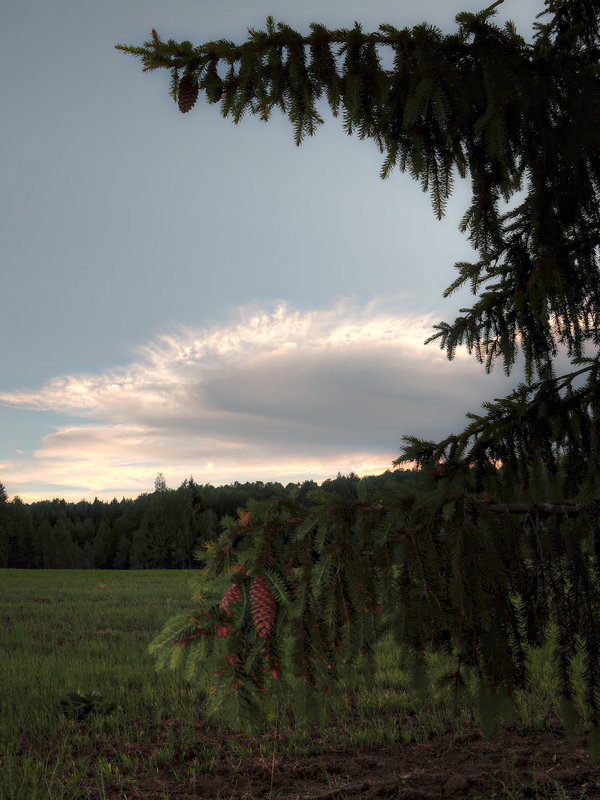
{"x":282,"y":395}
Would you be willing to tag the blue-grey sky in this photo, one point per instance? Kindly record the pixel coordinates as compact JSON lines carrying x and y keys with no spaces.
{"x":180,"y":294}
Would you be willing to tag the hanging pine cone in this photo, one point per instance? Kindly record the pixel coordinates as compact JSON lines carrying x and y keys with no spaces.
{"x":214,"y":84}
{"x":214,"y":93}
{"x":232,"y":595}
{"x":262,"y":606}
{"x":187,"y":93}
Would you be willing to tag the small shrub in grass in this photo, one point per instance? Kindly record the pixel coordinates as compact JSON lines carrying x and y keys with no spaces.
{"x":78,"y":705}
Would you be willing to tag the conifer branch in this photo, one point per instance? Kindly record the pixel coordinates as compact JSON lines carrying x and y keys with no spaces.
{"x":459,"y":564}
{"x":536,"y":261}
{"x":538,"y":509}
{"x":534,"y":427}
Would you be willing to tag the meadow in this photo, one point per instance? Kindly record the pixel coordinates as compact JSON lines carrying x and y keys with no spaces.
{"x":144,"y":734}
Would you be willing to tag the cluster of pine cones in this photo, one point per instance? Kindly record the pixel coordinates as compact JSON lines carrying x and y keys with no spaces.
{"x":263,"y":607}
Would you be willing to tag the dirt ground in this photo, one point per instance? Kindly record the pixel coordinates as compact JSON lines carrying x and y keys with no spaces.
{"x":539,"y":764}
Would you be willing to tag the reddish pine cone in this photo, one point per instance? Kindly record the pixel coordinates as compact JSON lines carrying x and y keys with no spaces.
{"x":187,"y":93}
{"x":232,"y":595}
{"x":262,"y":606}
{"x":223,"y":631}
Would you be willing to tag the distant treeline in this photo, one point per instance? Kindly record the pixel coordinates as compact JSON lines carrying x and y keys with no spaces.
{"x":158,"y":530}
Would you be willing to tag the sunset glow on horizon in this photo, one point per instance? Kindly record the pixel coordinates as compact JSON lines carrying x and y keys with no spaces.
{"x":282,"y":396}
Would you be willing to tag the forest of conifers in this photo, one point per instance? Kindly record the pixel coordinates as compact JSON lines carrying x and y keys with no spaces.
{"x":157,"y":530}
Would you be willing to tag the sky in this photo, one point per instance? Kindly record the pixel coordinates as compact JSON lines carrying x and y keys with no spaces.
{"x":187,"y":296}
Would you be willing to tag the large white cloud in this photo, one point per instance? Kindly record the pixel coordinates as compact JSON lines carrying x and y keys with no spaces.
{"x":279,"y":395}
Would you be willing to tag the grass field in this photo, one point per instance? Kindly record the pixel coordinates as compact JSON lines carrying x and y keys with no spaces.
{"x":80,"y":630}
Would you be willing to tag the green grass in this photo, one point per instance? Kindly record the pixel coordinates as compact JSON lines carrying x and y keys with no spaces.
{"x":90,"y":639}
{"x":93,"y":635}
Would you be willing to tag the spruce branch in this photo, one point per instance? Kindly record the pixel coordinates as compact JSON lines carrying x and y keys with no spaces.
{"x":493,"y":6}
{"x":513,"y":430}
{"x":502,"y":538}
{"x":537,"y":268}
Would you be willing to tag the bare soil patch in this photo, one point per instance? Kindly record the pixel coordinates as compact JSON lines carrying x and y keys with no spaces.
{"x":531,"y":764}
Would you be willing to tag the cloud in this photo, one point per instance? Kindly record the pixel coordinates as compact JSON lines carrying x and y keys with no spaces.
{"x":276,"y":395}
